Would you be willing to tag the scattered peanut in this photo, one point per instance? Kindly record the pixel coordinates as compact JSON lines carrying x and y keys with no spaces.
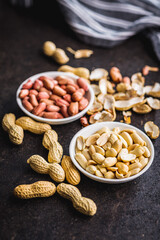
{"x":54,"y":147}
{"x":82,"y":204}
{"x":72,"y":174}
{"x":37,"y":189}
{"x":29,"y":124}
{"x":40,"y":165}
{"x":15,"y":132}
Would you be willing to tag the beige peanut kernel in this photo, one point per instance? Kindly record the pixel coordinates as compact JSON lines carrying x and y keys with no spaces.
{"x":15,"y":132}
{"x":98,"y":158}
{"x":91,"y":169}
{"x":91,"y":140}
{"x":72,"y":174}
{"x":127,"y":138}
{"x":80,"y":143}
{"x":99,"y":149}
{"x":34,"y":190}
{"x":109,"y":162}
{"x":82,"y":204}
{"x":117,"y":145}
{"x":85,"y":152}
{"x":81,"y":160}
{"x":111,"y":152}
{"x":29,"y":124}
{"x":109,"y":175}
{"x":40,"y":165}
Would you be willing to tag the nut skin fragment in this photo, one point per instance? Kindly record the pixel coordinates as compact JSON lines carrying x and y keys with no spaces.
{"x":29,"y":124}
{"x":81,"y":204}
{"x":34,"y":190}
{"x":72,"y":174}
{"x":15,"y":132}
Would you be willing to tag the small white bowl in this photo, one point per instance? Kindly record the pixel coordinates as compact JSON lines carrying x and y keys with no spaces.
{"x":87,"y":131}
{"x":89,"y":95}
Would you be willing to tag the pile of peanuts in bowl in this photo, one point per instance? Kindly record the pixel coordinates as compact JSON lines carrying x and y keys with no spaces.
{"x":54,"y":97}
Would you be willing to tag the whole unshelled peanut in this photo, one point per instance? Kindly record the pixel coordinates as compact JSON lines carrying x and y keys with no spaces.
{"x":81,"y":72}
{"x":82,"y":204}
{"x":115,"y":74}
{"x":15,"y":132}
{"x":39,"y":165}
{"x":50,"y":142}
{"x":34,"y":190}
{"x":72,"y":174}
{"x":29,"y":124}
{"x":60,"y":56}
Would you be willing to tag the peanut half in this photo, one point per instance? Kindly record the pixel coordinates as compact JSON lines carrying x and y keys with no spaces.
{"x":40,"y":165}
{"x":81,"y":204}
{"x":15,"y":132}
{"x":37,"y":189}
{"x":72,"y":174}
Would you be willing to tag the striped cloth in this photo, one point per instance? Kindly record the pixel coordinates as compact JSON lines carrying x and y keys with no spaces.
{"x":107,"y":23}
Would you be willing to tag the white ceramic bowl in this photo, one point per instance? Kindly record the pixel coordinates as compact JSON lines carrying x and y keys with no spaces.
{"x":89,"y":95}
{"x":87,"y":131}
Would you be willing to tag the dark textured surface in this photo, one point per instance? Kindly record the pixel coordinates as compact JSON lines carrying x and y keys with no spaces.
{"x":125,"y":212}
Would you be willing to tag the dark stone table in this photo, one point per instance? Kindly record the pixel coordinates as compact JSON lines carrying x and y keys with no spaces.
{"x":127,"y":211}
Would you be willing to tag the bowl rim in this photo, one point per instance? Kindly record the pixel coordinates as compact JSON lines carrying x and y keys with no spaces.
{"x":48,"y":120}
{"x":109,"y":124}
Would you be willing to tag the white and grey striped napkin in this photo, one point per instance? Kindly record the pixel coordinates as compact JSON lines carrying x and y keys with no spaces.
{"x":107,"y":23}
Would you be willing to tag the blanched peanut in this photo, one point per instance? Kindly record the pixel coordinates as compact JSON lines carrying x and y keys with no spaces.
{"x":85,"y":152}
{"x":92,"y":150}
{"x":98,"y":173}
{"x":127,"y":138}
{"x":137,"y":139}
{"x":109,"y":162}
{"x":135,"y":165}
{"x":138,"y":151}
{"x":134,"y":171}
{"x":113,"y":137}
{"x":117,"y":145}
{"x":109,"y":175}
{"x":147,"y":153}
{"x":99,"y":150}
{"x":81,"y":160}
{"x":91,"y":169}
{"x":98,"y":157}
{"x":143,"y":161}
{"x":102,"y":139}
{"x":122,"y":168}
{"x":111,"y":152}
